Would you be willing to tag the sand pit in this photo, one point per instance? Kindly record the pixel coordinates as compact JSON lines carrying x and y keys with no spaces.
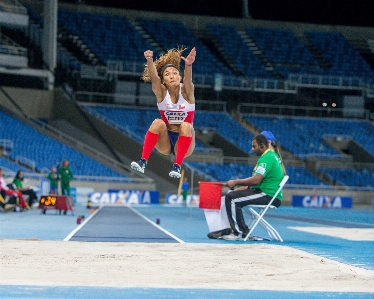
{"x":214,"y":266}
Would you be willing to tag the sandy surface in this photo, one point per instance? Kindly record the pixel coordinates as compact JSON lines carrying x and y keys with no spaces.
{"x":182,"y":265}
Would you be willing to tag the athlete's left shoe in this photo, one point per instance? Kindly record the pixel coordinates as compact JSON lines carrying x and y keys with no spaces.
{"x":175,"y":171}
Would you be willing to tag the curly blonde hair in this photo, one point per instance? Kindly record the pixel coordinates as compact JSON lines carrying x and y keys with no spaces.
{"x":173,"y":57}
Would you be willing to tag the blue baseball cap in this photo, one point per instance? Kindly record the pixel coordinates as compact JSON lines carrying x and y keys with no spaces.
{"x":269,"y":135}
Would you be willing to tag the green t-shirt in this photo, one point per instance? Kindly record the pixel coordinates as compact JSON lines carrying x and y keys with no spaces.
{"x":53,"y":178}
{"x":17,"y":182}
{"x":66,"y":175}
{"x":269,"y":165}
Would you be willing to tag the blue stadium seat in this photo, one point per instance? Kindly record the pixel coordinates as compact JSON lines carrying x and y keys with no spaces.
{"x":172,"y":34}
{"x":344,"y":59}
{"x":47,"y":152}
{"x":109,"y":37}
{"x":238,"y":52}
{"x":306,"y":136}
{"x":281,"y":46}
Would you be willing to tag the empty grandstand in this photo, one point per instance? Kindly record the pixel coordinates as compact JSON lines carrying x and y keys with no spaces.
{"x":312,"y":86}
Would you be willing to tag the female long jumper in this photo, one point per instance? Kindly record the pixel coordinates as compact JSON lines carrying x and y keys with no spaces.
{"x":173,"y":133}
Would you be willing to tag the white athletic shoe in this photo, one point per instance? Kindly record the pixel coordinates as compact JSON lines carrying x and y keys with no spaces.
{"x":139,"y":166}
{"x":175,"y":171}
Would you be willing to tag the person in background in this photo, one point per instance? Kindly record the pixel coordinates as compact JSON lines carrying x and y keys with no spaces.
{"x":66,"y":176}
{"x":5,"y":190}
{"x":274,"y":146}
{"x":18,"y":182}
{"x":173,"y":133}
{"x":185,"y":189}
{"x":261,"y":187}
{"x":53,"y":178}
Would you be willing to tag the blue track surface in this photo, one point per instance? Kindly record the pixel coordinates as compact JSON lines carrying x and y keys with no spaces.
{"x":96,"y":292}
{"x":189,"y":225}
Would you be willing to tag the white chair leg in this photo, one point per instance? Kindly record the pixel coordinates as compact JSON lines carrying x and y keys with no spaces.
{"x":257,"y":217}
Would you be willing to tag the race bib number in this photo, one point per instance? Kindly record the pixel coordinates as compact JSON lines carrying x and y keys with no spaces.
{"x":175,"y":117}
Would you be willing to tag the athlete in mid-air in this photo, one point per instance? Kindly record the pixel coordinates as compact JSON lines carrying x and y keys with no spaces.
{"x":173,"y":133}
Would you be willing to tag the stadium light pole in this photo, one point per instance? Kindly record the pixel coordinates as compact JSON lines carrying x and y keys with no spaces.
{"x":245,"y":10}
{"x":49,"y":45}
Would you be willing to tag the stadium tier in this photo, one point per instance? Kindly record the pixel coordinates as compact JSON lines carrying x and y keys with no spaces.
{"x":240,"y":56}
{"x":343,"y":58}
{"x":11,"y":166}
{"x":281,"y":47}
{"x":171,"y":34}
{"x":238,"y":52}
{"x":109,"y":37}
{"x":229,"y":171}
{"x":135,"y":121}
{"x":249,"y":53}
{"x":350,"y":176}
{"x":303,"y":136}
{"x":46,"y":152}
{"x":250,"y":59}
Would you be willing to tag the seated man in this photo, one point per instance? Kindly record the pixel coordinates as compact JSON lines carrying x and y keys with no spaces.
{"x":255,"y":190}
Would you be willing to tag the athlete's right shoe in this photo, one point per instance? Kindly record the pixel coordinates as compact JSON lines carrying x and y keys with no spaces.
{"x":140,"y":165}
{"x":175,"y":171}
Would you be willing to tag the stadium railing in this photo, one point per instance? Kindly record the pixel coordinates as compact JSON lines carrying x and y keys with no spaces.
{"x":6,"y":144}
{"x":289,"y":85}
{"x":85,"y":149}
{"x":306,"y":111}
{"x":13,"y":6}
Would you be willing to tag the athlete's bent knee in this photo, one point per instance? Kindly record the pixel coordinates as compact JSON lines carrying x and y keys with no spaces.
{"x":157,"y":125}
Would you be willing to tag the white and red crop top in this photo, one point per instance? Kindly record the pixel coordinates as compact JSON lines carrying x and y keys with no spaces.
{"x":177,"y":113}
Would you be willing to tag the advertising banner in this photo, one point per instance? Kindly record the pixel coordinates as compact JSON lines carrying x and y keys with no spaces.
{"x":125,"y":197}
{"x":174,"y":199}
{"x":321,"y":201}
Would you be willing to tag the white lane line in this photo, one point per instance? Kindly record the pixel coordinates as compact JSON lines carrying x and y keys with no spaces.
{"x":156,"y":225}
{"x":74,"y":231}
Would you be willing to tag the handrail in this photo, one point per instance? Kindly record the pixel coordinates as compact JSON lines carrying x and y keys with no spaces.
{"x":201,"y":105}
{"x":13,"y":50}
{"x":13,"y":6}
{"x":25,"y":161}
{"x":328,"y":80}
{"x":83,"y":146}
{"x":288,"y":85}
{"x":34,"y":175}
{"x":6,"y":144}
{"x":288,"y":110}
{"x":114,"y":124}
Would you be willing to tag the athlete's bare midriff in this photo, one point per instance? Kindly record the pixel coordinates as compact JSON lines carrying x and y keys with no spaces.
{"x":173,"y":127}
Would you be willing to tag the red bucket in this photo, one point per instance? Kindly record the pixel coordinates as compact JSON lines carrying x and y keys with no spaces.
{"x":210,"y":195}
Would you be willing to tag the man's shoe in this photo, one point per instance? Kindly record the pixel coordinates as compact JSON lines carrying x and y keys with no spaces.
{"x":219,"y":234}
{"x":140,"y":165}
{"x":175,"y":171}
{"x":232,"y":237}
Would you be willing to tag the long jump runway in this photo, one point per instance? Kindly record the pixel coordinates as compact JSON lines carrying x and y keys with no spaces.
{"x":120,"y":224}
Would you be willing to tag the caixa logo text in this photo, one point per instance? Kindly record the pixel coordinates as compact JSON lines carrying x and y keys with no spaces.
{"x":321,"y":201}
{"x":175,"y":113}
{"x":124,"y":197}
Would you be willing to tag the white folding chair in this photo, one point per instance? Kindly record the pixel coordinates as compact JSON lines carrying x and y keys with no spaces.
{"x":257,"y":217}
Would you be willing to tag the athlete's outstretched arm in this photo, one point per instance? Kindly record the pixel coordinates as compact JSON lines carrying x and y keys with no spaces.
{"x":187,"y":79}
{"x":155,"y":79}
